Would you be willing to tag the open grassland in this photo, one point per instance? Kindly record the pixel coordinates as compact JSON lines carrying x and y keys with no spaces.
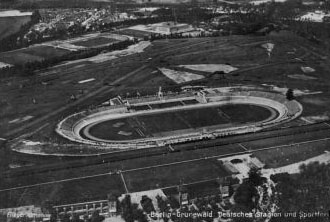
{"x":173,"y":175}
{"x":74,"y":191}
{"x":292,"y":153}
{"x":145,"y":160}
{"x":133,"y":33}
{"x":95,"y":42}
{"x":46,"y":52}
{"x":291,"y":139}
{"x":31,"y":54}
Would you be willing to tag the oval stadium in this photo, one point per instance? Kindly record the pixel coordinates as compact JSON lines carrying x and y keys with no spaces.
{"x":173,"y":118}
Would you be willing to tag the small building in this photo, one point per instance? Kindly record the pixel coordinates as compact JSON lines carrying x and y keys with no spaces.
{"x":183,"y":196}
{"x":112,"y":205}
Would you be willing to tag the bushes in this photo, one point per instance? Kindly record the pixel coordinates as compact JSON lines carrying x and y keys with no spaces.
{"x":130,"y":212}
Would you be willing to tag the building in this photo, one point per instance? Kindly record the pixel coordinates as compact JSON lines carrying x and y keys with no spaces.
{"x":171,"y":27}
{"x":106,"y":208}
{"x":187,"y":194}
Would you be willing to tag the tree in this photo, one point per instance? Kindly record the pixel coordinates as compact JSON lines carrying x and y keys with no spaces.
{"x":146,"y":204}
{"x":76,"y":218}
{"x":289,"y":94}
{"x":66,"y":218}
{"x":246,"y":194}
{"x":255,"y":177}
{"x":96,"y":217}
{"x":138,"y":214}
{"x":127,"y":210}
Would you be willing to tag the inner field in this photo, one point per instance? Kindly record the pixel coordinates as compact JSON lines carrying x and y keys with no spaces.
{"x":172,"y":122}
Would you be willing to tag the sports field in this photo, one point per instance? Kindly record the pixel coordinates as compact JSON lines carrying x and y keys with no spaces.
{"x":290,"y":154}
{"x":165,"y":177}
{"x":95,"y":42}
{"x":31,"y":54}
{"x":173,"y":122}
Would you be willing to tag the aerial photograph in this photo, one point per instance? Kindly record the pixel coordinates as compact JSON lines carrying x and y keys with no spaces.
{"x":164,"y":110}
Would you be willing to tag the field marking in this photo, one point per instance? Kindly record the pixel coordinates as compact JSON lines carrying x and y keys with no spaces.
{"x":124,"y":182}
{"x":306,"y":120}
{"x":138,"y":130}
{"x":86,"y":80}
{"x":241,"y":145}
{"x":223,"y":114}
{"x":164,"y":165}
{"x":186,"y":184}
{"x":327,"y":124}
{"x":182,"y":119}
{"x":21,"y":197}
{"x":122,"y":171}
{"x":292,"y":144}
{"x":53,"y":182}
{"x":181,"y":162}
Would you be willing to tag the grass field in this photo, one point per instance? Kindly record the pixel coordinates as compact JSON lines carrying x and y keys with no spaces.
{"x":122,"y":165}
{"x":134,"y":33}
{"x":284,"y":140}
{"x":31,"y":54}
{"x":18,"y":58}
{"x":95,"y":188}
{"x":157,"y":124}
{"x":98,"y":187}
{"x":95,"y":42}
{"x":173,"y":175}
{"x":292,"y":154}
{"x":45,"y":51}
